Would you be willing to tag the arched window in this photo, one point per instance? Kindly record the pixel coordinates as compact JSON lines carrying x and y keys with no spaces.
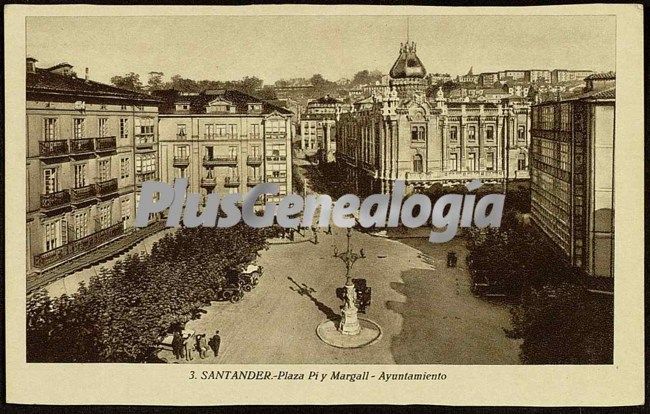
{"x":417,"y":163}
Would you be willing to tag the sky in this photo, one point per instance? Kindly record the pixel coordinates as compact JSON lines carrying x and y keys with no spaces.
{"x":277,"y":47}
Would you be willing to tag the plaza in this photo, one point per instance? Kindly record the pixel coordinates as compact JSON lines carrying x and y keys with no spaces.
{"x":425,"y":310}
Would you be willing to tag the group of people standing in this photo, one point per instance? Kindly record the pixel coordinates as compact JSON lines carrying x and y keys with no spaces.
{"x":182,"y":347}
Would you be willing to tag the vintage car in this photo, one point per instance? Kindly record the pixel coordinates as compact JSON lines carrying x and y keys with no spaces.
{"x":232,"y":291}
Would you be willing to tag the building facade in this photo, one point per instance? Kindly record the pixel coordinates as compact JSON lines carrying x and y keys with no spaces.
{"x":405,"y":136}
{"x":224,"y":141}
{"x":564,"y":75}
{"x":318,"y":127}
{"x":89,"y":146}
{"x":572,"y":183}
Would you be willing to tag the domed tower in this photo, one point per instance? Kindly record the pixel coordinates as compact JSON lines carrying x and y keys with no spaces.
{"x":407,"y":75}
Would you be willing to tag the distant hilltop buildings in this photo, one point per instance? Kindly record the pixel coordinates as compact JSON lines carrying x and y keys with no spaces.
{"x":488,"y":79}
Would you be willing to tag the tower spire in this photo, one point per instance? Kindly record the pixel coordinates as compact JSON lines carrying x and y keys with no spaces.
{"x":407,"y":29}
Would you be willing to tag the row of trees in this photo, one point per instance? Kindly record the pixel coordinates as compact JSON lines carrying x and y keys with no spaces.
{"x":249,"y":84}
{"x":156,"y":81}
{"x":121,"y":314}
{"x":557,"y":319}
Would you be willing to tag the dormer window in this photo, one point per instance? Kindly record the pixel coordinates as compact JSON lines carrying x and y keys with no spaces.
{"x":254,"y":107}
{"x":220,"y":105}
{"x":183,"y":106}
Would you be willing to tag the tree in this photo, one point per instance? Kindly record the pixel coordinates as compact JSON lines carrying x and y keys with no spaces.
{"x":183,"y":85}
{"x":318,"y":80}
{"x":155,"y":81}
{"x":130,"y":81}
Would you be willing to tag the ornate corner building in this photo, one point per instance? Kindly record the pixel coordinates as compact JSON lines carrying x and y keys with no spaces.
{"x":403,"y":135}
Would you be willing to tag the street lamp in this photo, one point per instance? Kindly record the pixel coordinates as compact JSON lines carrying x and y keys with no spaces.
{"x":349,"y":322}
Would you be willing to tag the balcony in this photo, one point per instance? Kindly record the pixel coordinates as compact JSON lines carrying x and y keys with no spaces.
{"x":55,"y":200}
{"x":56,"y":148}
{"x":142,"y":176}
{"x":105,"y":144}
{"x":254,"y":160}
{"x":220,"y":161}
{"x":78,"y":246}
{"x":208,"y":182}
{"x":181,"y":161}
{"x":106,"y":187}
{"x":231,"y":182}
{"x":275,"y":135}
{"x":276,"y":158}
{"x":82,"y":194}
{"x":253,"y":181}
{"x":82,"y":146}
{"x":144,"y":142}
{"x":472,"y":175}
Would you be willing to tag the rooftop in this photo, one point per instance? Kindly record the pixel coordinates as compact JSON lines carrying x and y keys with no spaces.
{"x":602,"y":76}
{"x":72,"y":87}
{"x":198,"y":102}
{"x":408,"y":65}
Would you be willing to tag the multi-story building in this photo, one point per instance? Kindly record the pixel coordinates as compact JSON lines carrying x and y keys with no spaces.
{"x":317,"y":127}
{"x":514,"y":75}
{"x":564,"y":75}
{"x":89,"y":146}
{"x":572,"y":176}
{"x":488,"y":79}
{"x":438,"y":78}
{"x":224,"y":141}
{"x":540,"y":76}
{"x":404,"y":136}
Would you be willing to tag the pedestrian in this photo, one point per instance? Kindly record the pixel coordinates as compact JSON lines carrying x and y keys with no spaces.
{"x":201,"y":345}
{"x":177,"y":344}
{"x":215,"y":343}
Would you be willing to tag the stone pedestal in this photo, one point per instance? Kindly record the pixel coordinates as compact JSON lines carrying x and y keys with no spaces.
{"x":349,"y":324}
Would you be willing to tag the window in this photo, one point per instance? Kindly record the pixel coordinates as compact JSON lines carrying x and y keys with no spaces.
{"x":417,"y":133}
{"x":144,"y":126}
{"x":181,"y":131}
{"x":471,"y":133}
{"x":521,"y":162}
{"x":255,"y":151}
{"x":255,"y":129}
{"x":125,"y":168}
{"x":489,"y":134}
{"x":453,"y":134}
{"x":79,"y":175}
{"x":453,"y":162}
{"x":471,"y":161}
{"x":209,"y":131}
{"x":125,"y":208}
{"x":124,"y":128}
{"x":417,"y":163}
{"x":145,"y":163}
{"x":233,"y":152}
{"x":220,"y":130}
{"x":181,"y":151}
{"x":104,"y":167}
{"x":489,"y":162}
{"x":521,"y":133}
{"x":52,"y":235}
{"x":80,"y":221}
{"x":78,"y":127}
{"x":49,"y":129}
{"x":232,"y":130}
{"x":50,"y":180}
{"x":105,"y":216}
{"x":102,"y":127}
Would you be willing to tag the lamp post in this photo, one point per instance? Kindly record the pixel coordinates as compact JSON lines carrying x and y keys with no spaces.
{"x":349,"y":322}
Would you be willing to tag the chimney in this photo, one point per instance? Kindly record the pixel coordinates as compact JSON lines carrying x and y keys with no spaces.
{"x":86,"y":78}
{"x":31,"y":64}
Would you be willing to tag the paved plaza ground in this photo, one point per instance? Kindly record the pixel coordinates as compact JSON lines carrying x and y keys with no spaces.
{"x":426,"y":311}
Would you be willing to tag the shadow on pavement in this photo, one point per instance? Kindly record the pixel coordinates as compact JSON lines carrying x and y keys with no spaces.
{"x":305,"y":290}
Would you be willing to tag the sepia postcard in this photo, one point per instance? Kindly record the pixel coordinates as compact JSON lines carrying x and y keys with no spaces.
{"x":324,"y":205}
